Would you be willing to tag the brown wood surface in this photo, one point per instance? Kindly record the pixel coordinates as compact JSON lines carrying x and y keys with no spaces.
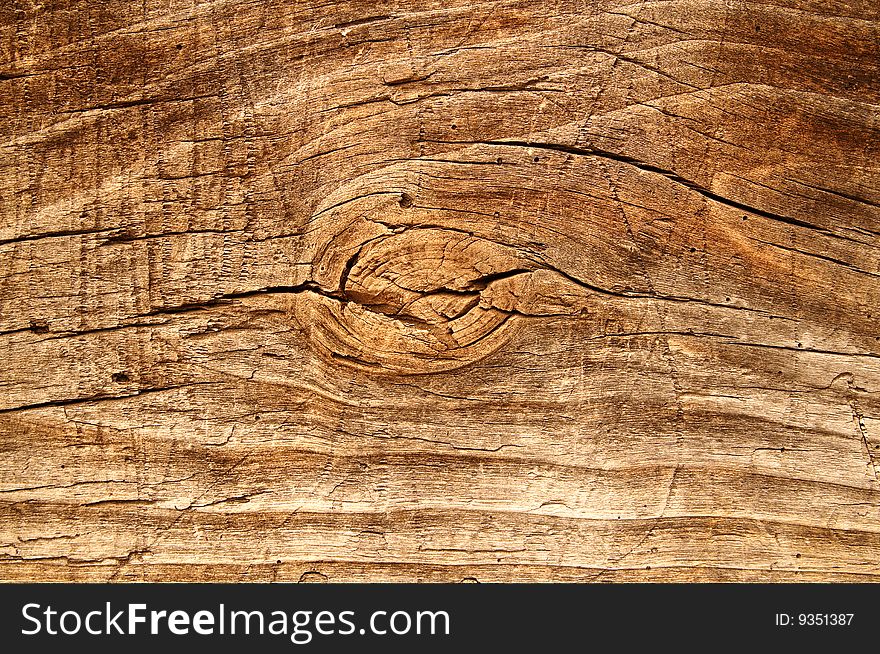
{"x":440,"y":291}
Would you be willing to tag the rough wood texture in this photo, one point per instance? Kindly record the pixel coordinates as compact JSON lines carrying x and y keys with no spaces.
{"x":440,"y":290}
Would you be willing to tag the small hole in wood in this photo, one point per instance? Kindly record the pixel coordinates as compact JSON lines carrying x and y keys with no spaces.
{"x":406,"y":200}
{"x":119,"y":377}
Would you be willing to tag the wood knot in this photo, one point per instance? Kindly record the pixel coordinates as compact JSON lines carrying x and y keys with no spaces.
{"x":413,"y":301}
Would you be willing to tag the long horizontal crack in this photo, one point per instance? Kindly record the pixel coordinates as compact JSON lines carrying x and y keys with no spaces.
{"x":641,"y":165}
{"x":816,"y":255}
{"x":807,"y":350}
{"x":97,"y":398}
{"x":56,"y":234}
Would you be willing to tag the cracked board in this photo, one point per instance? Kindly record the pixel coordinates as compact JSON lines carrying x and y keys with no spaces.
{"x":440,"y":291}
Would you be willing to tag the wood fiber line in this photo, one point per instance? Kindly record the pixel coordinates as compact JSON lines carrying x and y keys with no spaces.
{"x":440,"y":291}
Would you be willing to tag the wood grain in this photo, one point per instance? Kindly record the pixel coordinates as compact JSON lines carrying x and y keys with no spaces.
{"x":440,"y":291}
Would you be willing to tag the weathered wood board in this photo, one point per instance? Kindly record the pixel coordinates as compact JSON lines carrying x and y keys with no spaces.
{"x":440,"y":291}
